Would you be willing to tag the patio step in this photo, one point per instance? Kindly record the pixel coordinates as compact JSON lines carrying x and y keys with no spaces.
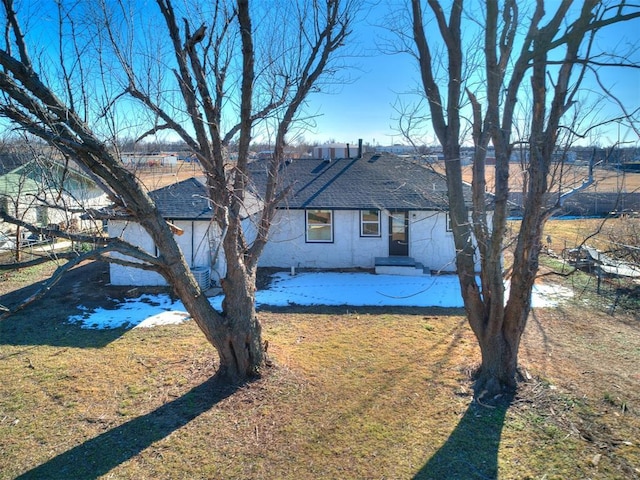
{"x":406,"y":266}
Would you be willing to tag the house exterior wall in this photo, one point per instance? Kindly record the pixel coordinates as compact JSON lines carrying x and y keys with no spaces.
{"x":122,"y":275}
{"x":287,"y":246}
{"x":430,"y":243}
{"x":198,"y":245}
{"x":32,"y":211}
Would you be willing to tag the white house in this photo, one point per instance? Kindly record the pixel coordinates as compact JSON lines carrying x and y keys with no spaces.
{"x":186,"y":206}
{"x":338,"y":150}
{"x":377,"y":212}
{"x":47,"y":193}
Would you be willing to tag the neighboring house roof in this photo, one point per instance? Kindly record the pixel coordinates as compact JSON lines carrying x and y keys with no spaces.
{"x":10,"y":161}
{"x":13,"y":185}
{"x":185,"y":200}
{"x":39,"y":175}
{"x":373,"y":181}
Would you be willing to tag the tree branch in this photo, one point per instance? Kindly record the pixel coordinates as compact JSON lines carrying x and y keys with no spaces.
{"x":49,"y":283}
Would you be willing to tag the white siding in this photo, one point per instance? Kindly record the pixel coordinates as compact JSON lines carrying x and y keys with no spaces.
{"x":135,"y":234}
{"x":287,"y":245}
{"x":430,"y":243}
{"x":26,"y":208}
{"x":336,"y":150}
{"x":198,"y":244}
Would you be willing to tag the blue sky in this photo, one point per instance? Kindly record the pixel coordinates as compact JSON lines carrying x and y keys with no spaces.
{"x":364,"y":108}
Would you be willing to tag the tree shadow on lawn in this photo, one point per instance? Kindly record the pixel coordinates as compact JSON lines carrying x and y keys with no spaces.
{"x":471,"y":451}
{"x":46,"y":321}
{"x":99,"y":455}
{"x":26,"y":329}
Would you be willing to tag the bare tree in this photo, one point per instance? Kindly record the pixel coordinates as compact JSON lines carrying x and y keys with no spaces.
{"x":625,"y":243}
{"x":18,"y":193}
{"x":226,"y":69}
{"x":555,"y":49}
{"x":40,"y":190}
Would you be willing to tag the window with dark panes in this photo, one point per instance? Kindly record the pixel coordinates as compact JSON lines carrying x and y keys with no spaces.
{"x":370,"y":223}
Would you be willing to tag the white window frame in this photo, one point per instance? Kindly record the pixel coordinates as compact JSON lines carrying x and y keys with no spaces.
{"x":449,"y":226}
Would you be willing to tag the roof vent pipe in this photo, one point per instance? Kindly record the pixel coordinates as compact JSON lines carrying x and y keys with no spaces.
{"x":359,"y":148}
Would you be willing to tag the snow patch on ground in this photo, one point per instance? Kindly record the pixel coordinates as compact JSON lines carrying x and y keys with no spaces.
{"x":323,"y":288}
{"x":548,"y":295}
{"x":361,"y":289}
{"x":143,"y":311}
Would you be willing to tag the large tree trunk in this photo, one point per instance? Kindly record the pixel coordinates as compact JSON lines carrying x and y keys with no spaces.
{"x":236,"y":332}
{"x":497,"y":373}
{"x":499,"y":345}
{"x":499,"y":327}
{"x":512,"y":50}
{"x":240,"y":347}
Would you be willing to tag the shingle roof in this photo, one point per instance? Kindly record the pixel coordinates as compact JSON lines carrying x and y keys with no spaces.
{"x":10,"y":162}
{"x":185,"y":200}
{"x":41,"y":174}
{"x":373,"y":181}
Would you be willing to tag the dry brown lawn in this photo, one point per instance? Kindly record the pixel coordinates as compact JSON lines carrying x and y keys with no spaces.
{"x":356,"y":393}
{"x":572,"y":176}
{"x":156,"y":177}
